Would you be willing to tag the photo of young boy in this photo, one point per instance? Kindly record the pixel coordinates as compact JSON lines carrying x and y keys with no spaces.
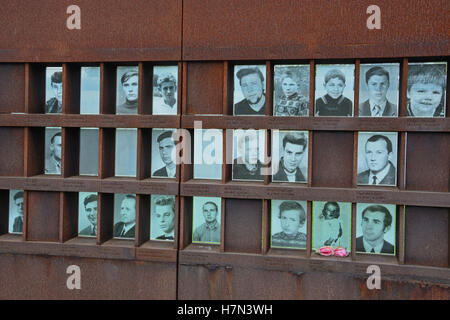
{"x":426,"y":89}
{"x":338,"y":82}
{"x":291,"y":216}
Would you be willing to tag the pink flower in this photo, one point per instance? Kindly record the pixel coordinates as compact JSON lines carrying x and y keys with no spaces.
{"x":340,"y":252}
{"x":325,"y":251}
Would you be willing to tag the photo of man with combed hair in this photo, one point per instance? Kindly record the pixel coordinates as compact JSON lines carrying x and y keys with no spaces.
{"x":129,"y":85}
{"x":54,"y":105}
{"x":294,"y":147}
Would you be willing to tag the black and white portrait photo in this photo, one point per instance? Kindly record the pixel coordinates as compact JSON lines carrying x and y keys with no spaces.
{"x":87,"y":214}
{"x":208,"y":145}
{"x":334,"y":90}
{"x":377,"y":158}
{"x":206,"y":220}
{"x":248,"y":154}
{"x":165,"y":93}
{"x":379,"y":90}
{"x":288,"y":227}
{"x":289,"y":156}
{"x":249,"y":98}
{"x":90,"y":90}
{"x":53,"y":143}
{"x":16,"y":211}
{"x":426,"y":89}
{"x":291,"y":90}
{"x":375,"y":228}
{"x":163,"y":153}
{"x":126,"y":152}
{"x":53,"y":89}
{"x":124,"y":216}
{"x":127,"y":90}
{"x":89,"y":152}
{"x":332,"y":224}
{"x":162,"y":223}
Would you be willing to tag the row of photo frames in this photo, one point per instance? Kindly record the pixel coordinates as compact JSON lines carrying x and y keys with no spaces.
{"x":379,"y":85}
{"x":331,"y":225}
{"x":334,"y":90}
{"x":376,"y":160}
{"x":165,"y":86}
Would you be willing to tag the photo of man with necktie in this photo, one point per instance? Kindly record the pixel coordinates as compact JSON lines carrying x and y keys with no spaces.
{"x":379,"y":90}
{"x":162,"y":222}
{"x":375,"y":228}
{"x":87,"y":214}
{"x":16,"y":211}
{"x":377,"y":158}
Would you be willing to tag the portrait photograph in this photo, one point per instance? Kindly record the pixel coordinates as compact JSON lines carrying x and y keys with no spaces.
{"x":377,"y":158}
{"x":334,"y":90}
{"x":290,"y":156}
{"x":53,"y":146}
{"x":291,"y":90}
{"x":124,"y":216}
{"x":248,"y":155}
{"x":162,"y":219}
{"x":249,"y":97}
{"x":90,"y":90}
{"x":87,"y":214}
{"x":379,"y":89}
{"x":126,"y":152}
{"x":53,"y":89}
{"x":375,"y":228}
{"x":426,"y":90}
{"x":163,"y":153}
{"x":16,"y":207}
{"x":206,"y":219}
{"x":208,"y":154}
{"x":165,"y":92}
{"x":288,"y":226}
{"x":89,"y":152}
{"x":331,"y":224}
{"x":127,"y":90}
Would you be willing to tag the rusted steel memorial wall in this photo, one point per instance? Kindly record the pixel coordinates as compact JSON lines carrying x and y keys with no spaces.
{"x":101,"y":106}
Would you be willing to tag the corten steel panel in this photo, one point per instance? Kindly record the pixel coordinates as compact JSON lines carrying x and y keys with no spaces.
{"x":292,"y":29}
{"x":428,"y":161}
{"x":40,"y":277}
{"x":43,"y":216}
{"x":12,"y":90}
{"x":426,"y":238}
{"x":12,"y":147}
{"x":112,"y":30}
{"x":332,"y":159}
{"x":243,"y":225}
{"x":204,"y":87}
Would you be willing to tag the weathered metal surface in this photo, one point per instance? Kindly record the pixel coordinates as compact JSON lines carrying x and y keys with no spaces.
{"x":319,"y":29}
{"x":111,"y":30}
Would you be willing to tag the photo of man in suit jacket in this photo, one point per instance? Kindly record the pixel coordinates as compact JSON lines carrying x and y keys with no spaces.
{"x":294,"y":148}
{"x":377,"y":82}
{"x":166,"y":147}
{"x":125,"y":227}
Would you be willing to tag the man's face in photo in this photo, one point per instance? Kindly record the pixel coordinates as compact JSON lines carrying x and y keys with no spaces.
{"x":334,"y":87}
{"x":130,"y":87}
{"x":378,"y":87}
{"x":128,"y":210}
{"x":290,"y":221}
{"x":19,"y":205}
{"x":209,"y":212}
{"x":166,"y":150}
{"x":252,"y":87}
{"x":377,"y":155}
{"x":168,"y":90}
{"x":424,"y":98}
{"x":292,"y":156}
{"x":165,"y":218}
{"x":373,"y":225}
{"x":91,"y":212}
{"x":57,"y":90}
{"x":55,"y":147}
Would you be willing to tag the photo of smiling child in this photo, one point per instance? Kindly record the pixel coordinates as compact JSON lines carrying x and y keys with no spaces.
{"x":426,"y":90}
{"x":334,"y":87}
